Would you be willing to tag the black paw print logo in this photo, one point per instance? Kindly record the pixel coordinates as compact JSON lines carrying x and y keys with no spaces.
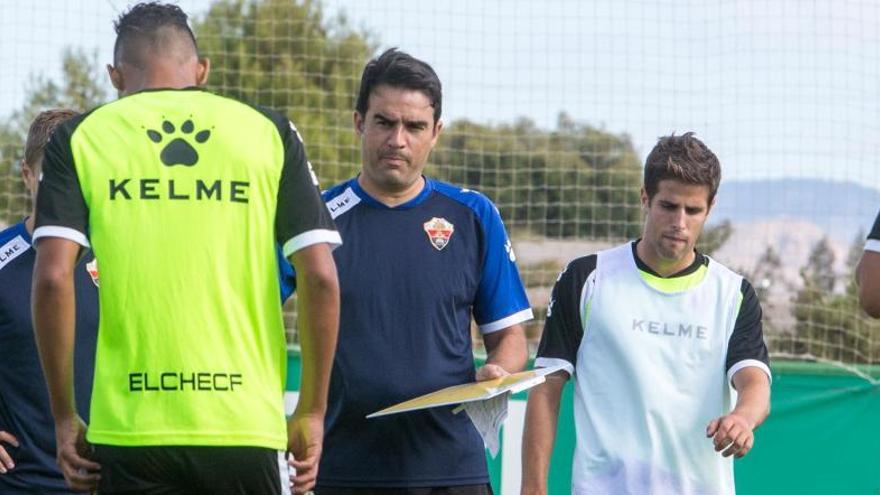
{"x":179,"y":151}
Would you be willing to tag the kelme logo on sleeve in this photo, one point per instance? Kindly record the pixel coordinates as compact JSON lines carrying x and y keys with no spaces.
{"x":179,"y":151}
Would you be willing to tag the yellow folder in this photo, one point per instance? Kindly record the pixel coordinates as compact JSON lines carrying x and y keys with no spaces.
{"x":470,"y":392}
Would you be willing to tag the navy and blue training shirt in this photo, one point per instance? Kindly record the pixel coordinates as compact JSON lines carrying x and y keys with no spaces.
{"x":411,"y":276}
{"x":24,"y":399}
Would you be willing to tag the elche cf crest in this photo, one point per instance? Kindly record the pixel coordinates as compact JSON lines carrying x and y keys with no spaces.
{"x":439,"y":232}
{"x":92,"y":268}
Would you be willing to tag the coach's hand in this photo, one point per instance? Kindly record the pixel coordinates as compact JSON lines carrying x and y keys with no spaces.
{"x":73,"y":451}
{"x":5,"y":459}
{"x":305,"y":435}
{"x":490,"y":372}
{"x":732,"y":435}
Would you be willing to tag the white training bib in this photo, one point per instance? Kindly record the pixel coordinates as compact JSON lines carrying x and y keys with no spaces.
{"x":650,"y":376}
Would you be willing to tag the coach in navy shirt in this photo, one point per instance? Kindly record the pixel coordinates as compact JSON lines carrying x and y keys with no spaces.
{"x":420,"y":258}
{"x":27,"y":431}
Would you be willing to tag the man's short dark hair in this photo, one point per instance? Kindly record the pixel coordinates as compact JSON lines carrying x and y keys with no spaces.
{"x":40,"y":131}
{"x":400,"y":70}
{"x":685,"y":159}
{"x":146,"y":24}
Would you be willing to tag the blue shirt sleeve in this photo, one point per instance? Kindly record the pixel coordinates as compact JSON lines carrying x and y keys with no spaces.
{"x":501,"y":297}
{"x":286,"y":276}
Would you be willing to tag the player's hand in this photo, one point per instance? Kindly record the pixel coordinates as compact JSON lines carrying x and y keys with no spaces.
{"x":6,"y":463}
{"x":80,"y":473}
{"x":490,"y":372}
{"x":732,"y":435}
{"x":305,"y":435}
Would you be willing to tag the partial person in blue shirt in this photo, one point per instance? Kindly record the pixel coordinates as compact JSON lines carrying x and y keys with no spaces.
{"x":27,"y":430}
{"x":420,"y":259}
{"x":868,"y":272}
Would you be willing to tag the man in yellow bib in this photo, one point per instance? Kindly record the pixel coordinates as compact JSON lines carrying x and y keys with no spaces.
{"x":183,"y":195}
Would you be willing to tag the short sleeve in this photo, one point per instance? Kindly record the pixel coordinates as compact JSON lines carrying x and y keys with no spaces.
{"x":873,"y":242}
{"x":301,"y":218}
{"x":61,"y":208}
{"x":501,"y":297}
{"x":746,"y":347}
{"x":564,"y":326}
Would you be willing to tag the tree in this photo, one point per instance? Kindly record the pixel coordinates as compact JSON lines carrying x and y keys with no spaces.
{"x":819,"y":271}
{"x":286,"y":56}
{"x":856,"y":250}
{"x":81,"y":87}
{"x":830,"y":324}
{"x":574,"y":181}
{"x":713,"y":237}
{"x":766,"y":277}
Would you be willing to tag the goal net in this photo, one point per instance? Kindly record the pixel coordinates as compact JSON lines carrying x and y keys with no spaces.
{"x":550,"y":109}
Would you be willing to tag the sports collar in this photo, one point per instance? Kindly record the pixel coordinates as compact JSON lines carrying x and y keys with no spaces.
{"x":21,"y":230}
{"x":699,"y":260}
{"x":419,"y":199}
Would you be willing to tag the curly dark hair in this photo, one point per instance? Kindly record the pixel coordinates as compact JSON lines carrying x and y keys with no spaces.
{"x":144,"y":23}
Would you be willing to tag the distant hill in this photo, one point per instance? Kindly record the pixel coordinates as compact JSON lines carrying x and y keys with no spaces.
{"x":841,"y":209}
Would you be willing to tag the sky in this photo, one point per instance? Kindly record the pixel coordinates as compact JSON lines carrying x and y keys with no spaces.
{"x":777,"y":89}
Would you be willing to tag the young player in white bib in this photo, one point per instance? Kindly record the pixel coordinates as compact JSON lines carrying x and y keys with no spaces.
{"x":665,"y":346}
